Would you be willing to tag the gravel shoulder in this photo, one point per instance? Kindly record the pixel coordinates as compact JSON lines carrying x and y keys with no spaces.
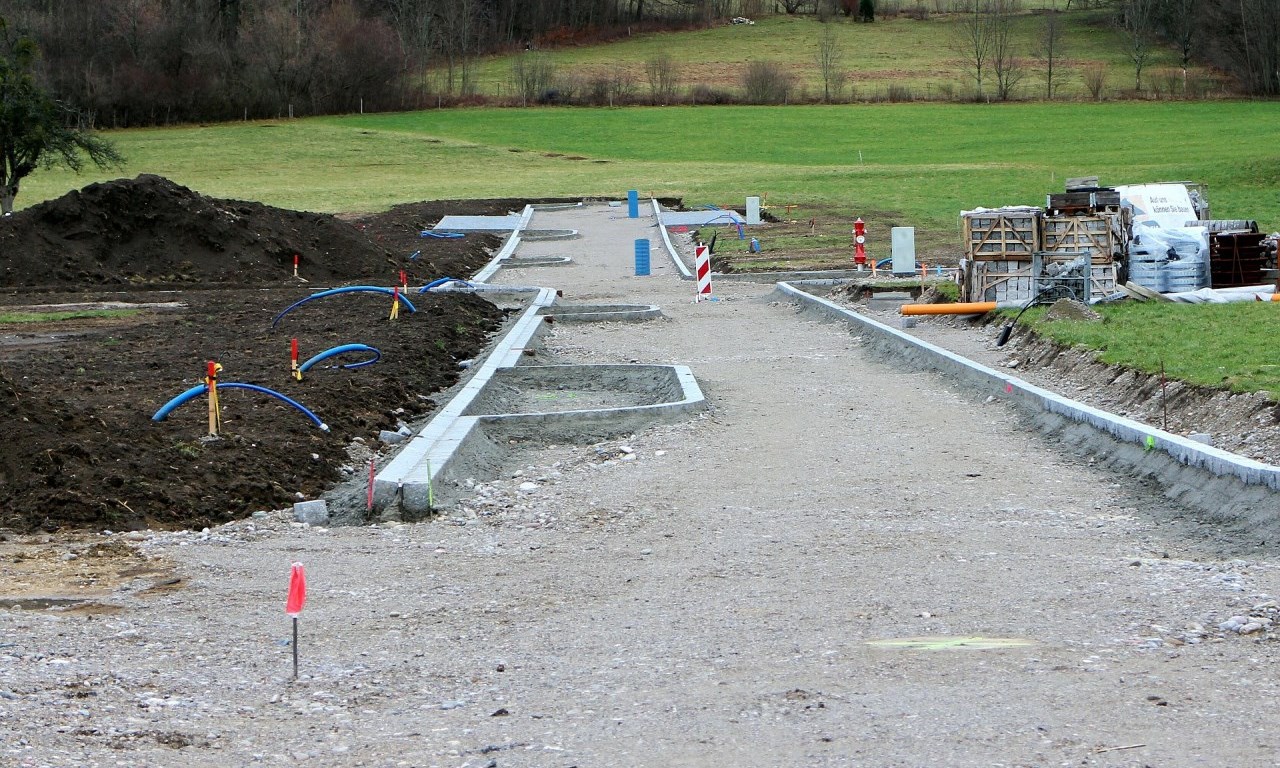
{"x":842,"y":563}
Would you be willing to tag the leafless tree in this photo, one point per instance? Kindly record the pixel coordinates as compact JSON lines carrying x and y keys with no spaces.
{"x":1006,"y":65}
{"x":830,"y":55}
{"x":974,"y":36}
{"x":1050,"y":52}
{"x":1179,"y":21}
{"x":660,"y":71}
{"x":532,"y":75}
{"x":1138,"y":20}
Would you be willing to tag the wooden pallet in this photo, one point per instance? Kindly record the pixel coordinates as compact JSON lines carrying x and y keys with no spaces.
{"x":1012,"y":281}
{"x":1104,"y":236}
{"x":1001,"y":234}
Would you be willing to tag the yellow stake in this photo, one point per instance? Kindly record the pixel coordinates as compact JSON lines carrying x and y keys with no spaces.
{"x":215,"y":412}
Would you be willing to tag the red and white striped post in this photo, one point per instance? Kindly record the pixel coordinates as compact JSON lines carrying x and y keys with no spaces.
{"x":702,"y":265}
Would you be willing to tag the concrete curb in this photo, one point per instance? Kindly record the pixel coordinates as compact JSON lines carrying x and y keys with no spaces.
{"x":582,"y":313}
{"x":685,"y":274}
{"x":437,"y":441}
{"x":508,"y":248}
{"x":1142,"y":448}
{"x":545,"y":235}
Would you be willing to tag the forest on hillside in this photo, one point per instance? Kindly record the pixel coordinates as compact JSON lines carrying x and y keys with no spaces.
{"x":147,"y":62}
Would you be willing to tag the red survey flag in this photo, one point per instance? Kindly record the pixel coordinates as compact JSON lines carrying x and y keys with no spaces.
{"x":297,"y":590}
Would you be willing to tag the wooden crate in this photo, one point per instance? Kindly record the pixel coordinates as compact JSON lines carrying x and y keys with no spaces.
{"x":1002,"y":234}
{"x":1007,"y":280}
{"x":1013,"y":282}
{"x":1103,"y":236}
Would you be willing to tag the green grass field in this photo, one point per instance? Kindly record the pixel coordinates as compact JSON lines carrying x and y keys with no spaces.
{"x":892,"y":164}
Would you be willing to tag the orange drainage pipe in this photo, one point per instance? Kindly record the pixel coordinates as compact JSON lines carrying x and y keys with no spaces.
{"x":970,"y":308}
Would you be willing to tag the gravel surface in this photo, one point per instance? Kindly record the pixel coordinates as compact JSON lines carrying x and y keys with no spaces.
{"x":842,"y":563}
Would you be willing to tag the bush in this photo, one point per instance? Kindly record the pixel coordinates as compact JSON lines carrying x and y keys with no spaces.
{"x":532,"y":75}
{"x":702,"y":93}
{"x":660,"y":71}
{"x":1095,"y":79}
{"x":766,"y":82}
{"x":899,"y":93}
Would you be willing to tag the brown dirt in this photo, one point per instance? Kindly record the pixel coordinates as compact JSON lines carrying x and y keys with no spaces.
{"x":76,"y":398}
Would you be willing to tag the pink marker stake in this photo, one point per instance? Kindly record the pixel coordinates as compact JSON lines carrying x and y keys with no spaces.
{"x":293,"y":605}
{"x":370,"y":500}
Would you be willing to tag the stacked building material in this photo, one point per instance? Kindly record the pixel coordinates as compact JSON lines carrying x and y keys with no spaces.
{"x":1238,"y":258}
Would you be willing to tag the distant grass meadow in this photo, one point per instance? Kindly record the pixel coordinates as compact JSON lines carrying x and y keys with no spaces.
{"x":894,"y":165}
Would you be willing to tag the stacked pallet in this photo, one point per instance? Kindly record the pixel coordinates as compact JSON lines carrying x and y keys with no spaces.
{"x":1001,"y":234}
{"x":998,"y":248}
{"x":1000,"y":243}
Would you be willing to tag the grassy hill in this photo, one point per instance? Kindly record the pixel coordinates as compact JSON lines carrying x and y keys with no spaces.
{"x":916,"y":57}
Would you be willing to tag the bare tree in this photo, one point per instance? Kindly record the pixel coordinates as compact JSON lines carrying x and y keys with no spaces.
{"x":1006,"y":65}
{"x":794,"y":6}
{"x":532,"y":75}
{"x":974,"y":39}
{"x":663,"y":79}
{"x":829,"y":56}
{"x":1179,"y":19}
{"x":1137,"y":19}
{"x":1050,"y":52}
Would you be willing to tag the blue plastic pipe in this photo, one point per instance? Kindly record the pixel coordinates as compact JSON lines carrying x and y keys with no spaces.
{"x":440,"y":282}
{"x":195,"y":392}
{"x":441,"y":235}
{"x":342,"y":350}
{"x":346,"y":289}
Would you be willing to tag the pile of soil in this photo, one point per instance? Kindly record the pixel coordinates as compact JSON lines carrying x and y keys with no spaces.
{"x":77,"y":397}
{"x":151,"y":232}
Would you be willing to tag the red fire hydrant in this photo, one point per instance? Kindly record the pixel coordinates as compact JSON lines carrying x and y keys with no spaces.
{"x":859,"y":243}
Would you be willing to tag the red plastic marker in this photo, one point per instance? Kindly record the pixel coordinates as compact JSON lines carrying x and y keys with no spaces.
{"x":293,"y":605}
{"x":295,"y":265}
{"x":404,"y":280}
{"x":293,"y":359}
{"x":297,"y":590}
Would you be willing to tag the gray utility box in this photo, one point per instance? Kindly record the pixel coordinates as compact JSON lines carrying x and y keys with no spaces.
{"x":904,"y":250}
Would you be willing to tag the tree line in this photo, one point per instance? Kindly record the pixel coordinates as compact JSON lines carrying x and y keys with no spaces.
{"x":141,"y":62}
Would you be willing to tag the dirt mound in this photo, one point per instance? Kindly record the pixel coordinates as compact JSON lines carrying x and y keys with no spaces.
{"x":149,"y":231}
{"x":76,"y":397}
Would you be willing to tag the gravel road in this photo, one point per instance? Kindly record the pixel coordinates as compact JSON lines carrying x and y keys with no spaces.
{"x":842,"y":563}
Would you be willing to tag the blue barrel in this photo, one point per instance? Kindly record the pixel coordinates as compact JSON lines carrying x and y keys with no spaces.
{"x":642,"y":257}
{"x":633,"y":204}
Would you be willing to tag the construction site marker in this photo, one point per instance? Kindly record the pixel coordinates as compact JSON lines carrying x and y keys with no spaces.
{"x":702,"y":265}
{"x":293,"y":605}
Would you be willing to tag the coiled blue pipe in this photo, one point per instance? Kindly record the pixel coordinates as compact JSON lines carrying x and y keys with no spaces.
{"x":346,"y":289}
{"x":328,"y":353}
{"x":196,"y":391}
{"x":442,"y":281}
